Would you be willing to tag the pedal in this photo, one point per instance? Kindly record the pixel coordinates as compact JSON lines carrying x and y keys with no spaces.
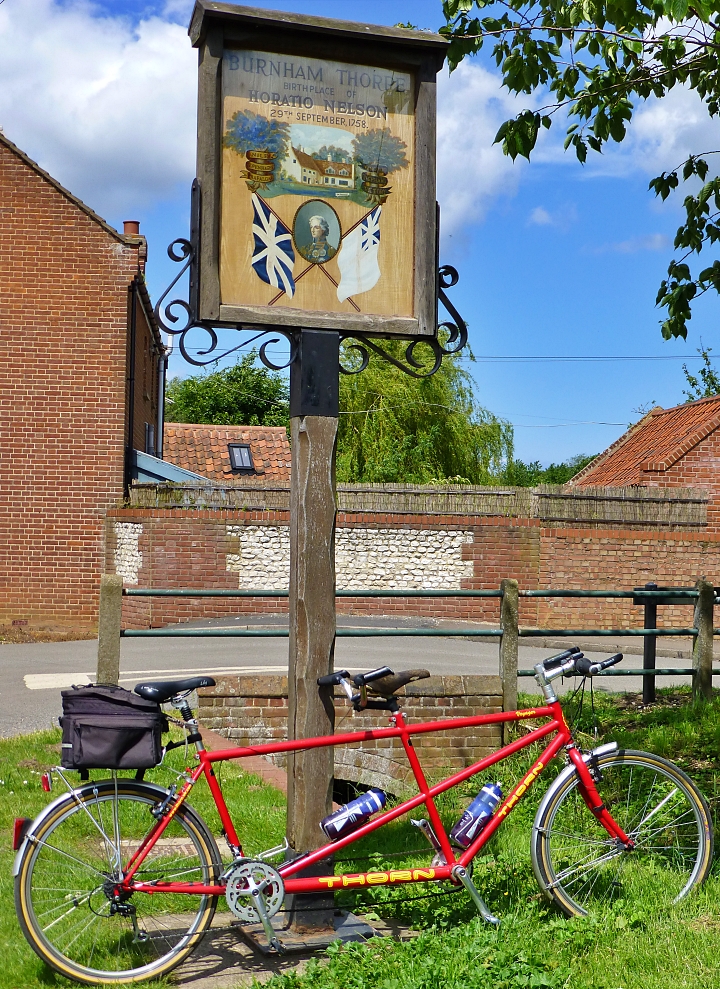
{"x":278,"y":946}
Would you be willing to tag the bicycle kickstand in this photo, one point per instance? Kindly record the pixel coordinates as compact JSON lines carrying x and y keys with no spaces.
{"x":461,"y":873}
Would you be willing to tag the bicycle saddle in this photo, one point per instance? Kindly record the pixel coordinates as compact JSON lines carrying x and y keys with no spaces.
{"x":388,"y":685}
{"x":162,"y":690}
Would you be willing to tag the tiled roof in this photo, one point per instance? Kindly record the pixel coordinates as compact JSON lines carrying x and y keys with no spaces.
{"x":654,"y":444}
{"x":204,"y":450}
{"x":320,"y":165}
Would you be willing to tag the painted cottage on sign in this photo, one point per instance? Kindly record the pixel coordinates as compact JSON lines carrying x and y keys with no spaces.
{"x":303,"y":168}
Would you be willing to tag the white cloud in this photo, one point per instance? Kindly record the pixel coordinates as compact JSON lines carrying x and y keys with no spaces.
{"x":107,"y":108}
{"x":562,"y":218}
{"x":662,"y":133}
{"x":540,"y":217}
{"x":650,"y":242}
{"x":472,"y":171}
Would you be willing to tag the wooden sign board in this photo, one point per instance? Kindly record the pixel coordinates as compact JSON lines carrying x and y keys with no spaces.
{"x":316,"y":164}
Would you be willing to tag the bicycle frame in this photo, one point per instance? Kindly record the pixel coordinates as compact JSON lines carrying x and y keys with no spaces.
{"x":556,"y":727}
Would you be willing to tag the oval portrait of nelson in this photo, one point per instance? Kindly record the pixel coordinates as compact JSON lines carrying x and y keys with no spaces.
{"x":316,"y":231}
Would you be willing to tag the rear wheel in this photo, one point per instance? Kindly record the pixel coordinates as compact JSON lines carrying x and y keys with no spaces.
{"x":582,"y":868}
{"x":64,"y":886}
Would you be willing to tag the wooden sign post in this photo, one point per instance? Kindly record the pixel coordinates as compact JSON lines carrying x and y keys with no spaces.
{"x":317,"y":216}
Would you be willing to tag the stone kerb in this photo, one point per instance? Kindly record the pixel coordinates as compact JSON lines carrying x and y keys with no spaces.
{"x":251,"y":710}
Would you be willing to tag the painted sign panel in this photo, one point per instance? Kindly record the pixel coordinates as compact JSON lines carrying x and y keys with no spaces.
{"x":317,"y":185}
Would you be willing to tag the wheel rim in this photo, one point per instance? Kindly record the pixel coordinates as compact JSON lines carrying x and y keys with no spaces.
{"x":68,"y":881}
{"x":585,"y":869}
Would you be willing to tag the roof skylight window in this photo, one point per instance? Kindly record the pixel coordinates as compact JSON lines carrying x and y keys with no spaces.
{"x":241,"y":458}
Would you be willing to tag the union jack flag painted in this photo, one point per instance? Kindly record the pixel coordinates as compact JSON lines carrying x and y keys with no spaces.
{"x":273,"y":256}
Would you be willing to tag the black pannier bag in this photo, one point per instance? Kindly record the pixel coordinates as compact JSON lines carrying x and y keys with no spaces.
{"x":107,"y":727}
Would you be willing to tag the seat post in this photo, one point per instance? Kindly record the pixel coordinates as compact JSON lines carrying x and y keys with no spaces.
{"x":186,"y":714}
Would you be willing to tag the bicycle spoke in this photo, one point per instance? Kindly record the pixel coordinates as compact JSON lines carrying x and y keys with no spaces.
{"x":79,"y":917}
{"x":665,"y":819}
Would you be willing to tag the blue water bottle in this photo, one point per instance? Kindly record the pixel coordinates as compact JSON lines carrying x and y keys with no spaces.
{"x":352,"y":815}
{"x":477,"y":815}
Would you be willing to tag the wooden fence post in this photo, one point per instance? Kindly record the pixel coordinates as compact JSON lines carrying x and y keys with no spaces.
{"x":703,"y":646}
{"x":109,"y":622}
{"x":509,"y":604}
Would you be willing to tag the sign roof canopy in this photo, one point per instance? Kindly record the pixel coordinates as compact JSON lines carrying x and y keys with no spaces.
{"x":207,"y":11}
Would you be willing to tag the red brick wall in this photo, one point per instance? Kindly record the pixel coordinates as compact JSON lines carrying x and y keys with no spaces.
{"x":186,"y":548}
{"x":699,"y":468}
{"x":63,"y":328}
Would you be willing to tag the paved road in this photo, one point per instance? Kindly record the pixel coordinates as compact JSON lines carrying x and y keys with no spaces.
{"x":32,"y":675}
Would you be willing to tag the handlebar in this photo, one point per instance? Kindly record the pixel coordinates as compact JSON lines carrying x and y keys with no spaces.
{"x":588,"y":669}
{"x":553,"y":661}
{"x":570,"y":662}
{"x":358,"y":698}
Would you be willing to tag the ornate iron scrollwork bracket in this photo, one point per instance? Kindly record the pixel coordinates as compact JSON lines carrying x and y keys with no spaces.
{"x":184,"y":322}
{"x":456,"y":339}
{"x":179,"y":318}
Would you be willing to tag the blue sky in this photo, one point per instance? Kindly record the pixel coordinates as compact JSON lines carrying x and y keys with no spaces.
{"x":556,"y":261}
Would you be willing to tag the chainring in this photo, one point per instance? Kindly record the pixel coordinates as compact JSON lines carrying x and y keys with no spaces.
{"x":243,"y":879}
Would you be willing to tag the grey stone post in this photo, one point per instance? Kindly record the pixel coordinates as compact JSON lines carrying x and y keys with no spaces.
{"x":509,"y":642}
{"x":109,"y":622}
{"x":703,"y":645}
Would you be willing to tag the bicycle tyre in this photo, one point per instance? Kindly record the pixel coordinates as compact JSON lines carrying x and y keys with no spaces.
{"x":579,"y":866}
{"x":59,"y":896}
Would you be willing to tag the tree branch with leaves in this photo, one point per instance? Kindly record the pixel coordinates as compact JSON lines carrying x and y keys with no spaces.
{"x":599,"y":59}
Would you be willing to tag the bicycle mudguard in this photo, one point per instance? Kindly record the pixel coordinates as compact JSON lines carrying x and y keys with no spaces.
{"x":568,"y":771}
{"x":160,"y":791}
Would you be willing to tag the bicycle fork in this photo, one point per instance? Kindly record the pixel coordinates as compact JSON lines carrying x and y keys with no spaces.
{"x":593,"y":800}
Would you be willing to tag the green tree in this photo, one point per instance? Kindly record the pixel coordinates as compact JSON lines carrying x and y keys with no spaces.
{"x":522,"y":475}
{"x":706,"y":382}
{"x":246,"y":394}
{"x":397,"y":428}
{"x":598,"y":60}
{"x":336,"y":154}
{"x":379,"y":149}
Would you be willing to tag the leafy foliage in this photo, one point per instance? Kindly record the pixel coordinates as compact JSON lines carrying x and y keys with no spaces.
{"x":598,"y":59}
{"x":336,"y":154}
{"x":245,"y":394}
{"x":707,"y":381}
{"x":379,"y":149}
{"x":396,"y":428}
{"x":248,"y":131}
{"x":524,"y":475}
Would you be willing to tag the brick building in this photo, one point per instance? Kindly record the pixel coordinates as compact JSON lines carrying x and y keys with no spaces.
{"x":81,"y":364}
{"x":668,"y":448}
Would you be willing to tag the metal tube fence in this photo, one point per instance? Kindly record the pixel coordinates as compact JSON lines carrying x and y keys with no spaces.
{"x":509,"y":631}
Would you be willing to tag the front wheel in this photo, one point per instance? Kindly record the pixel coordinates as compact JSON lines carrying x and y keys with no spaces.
{"x":64,"y":885}
{"x":581,"y":868}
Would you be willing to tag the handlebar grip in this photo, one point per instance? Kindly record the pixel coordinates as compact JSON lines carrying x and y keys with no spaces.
{"x":587,"y":668}
{"x":333,"y":679}
{"x":363,"y":678}
{"x":612,"y":661}
{"x":552,"y":661}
